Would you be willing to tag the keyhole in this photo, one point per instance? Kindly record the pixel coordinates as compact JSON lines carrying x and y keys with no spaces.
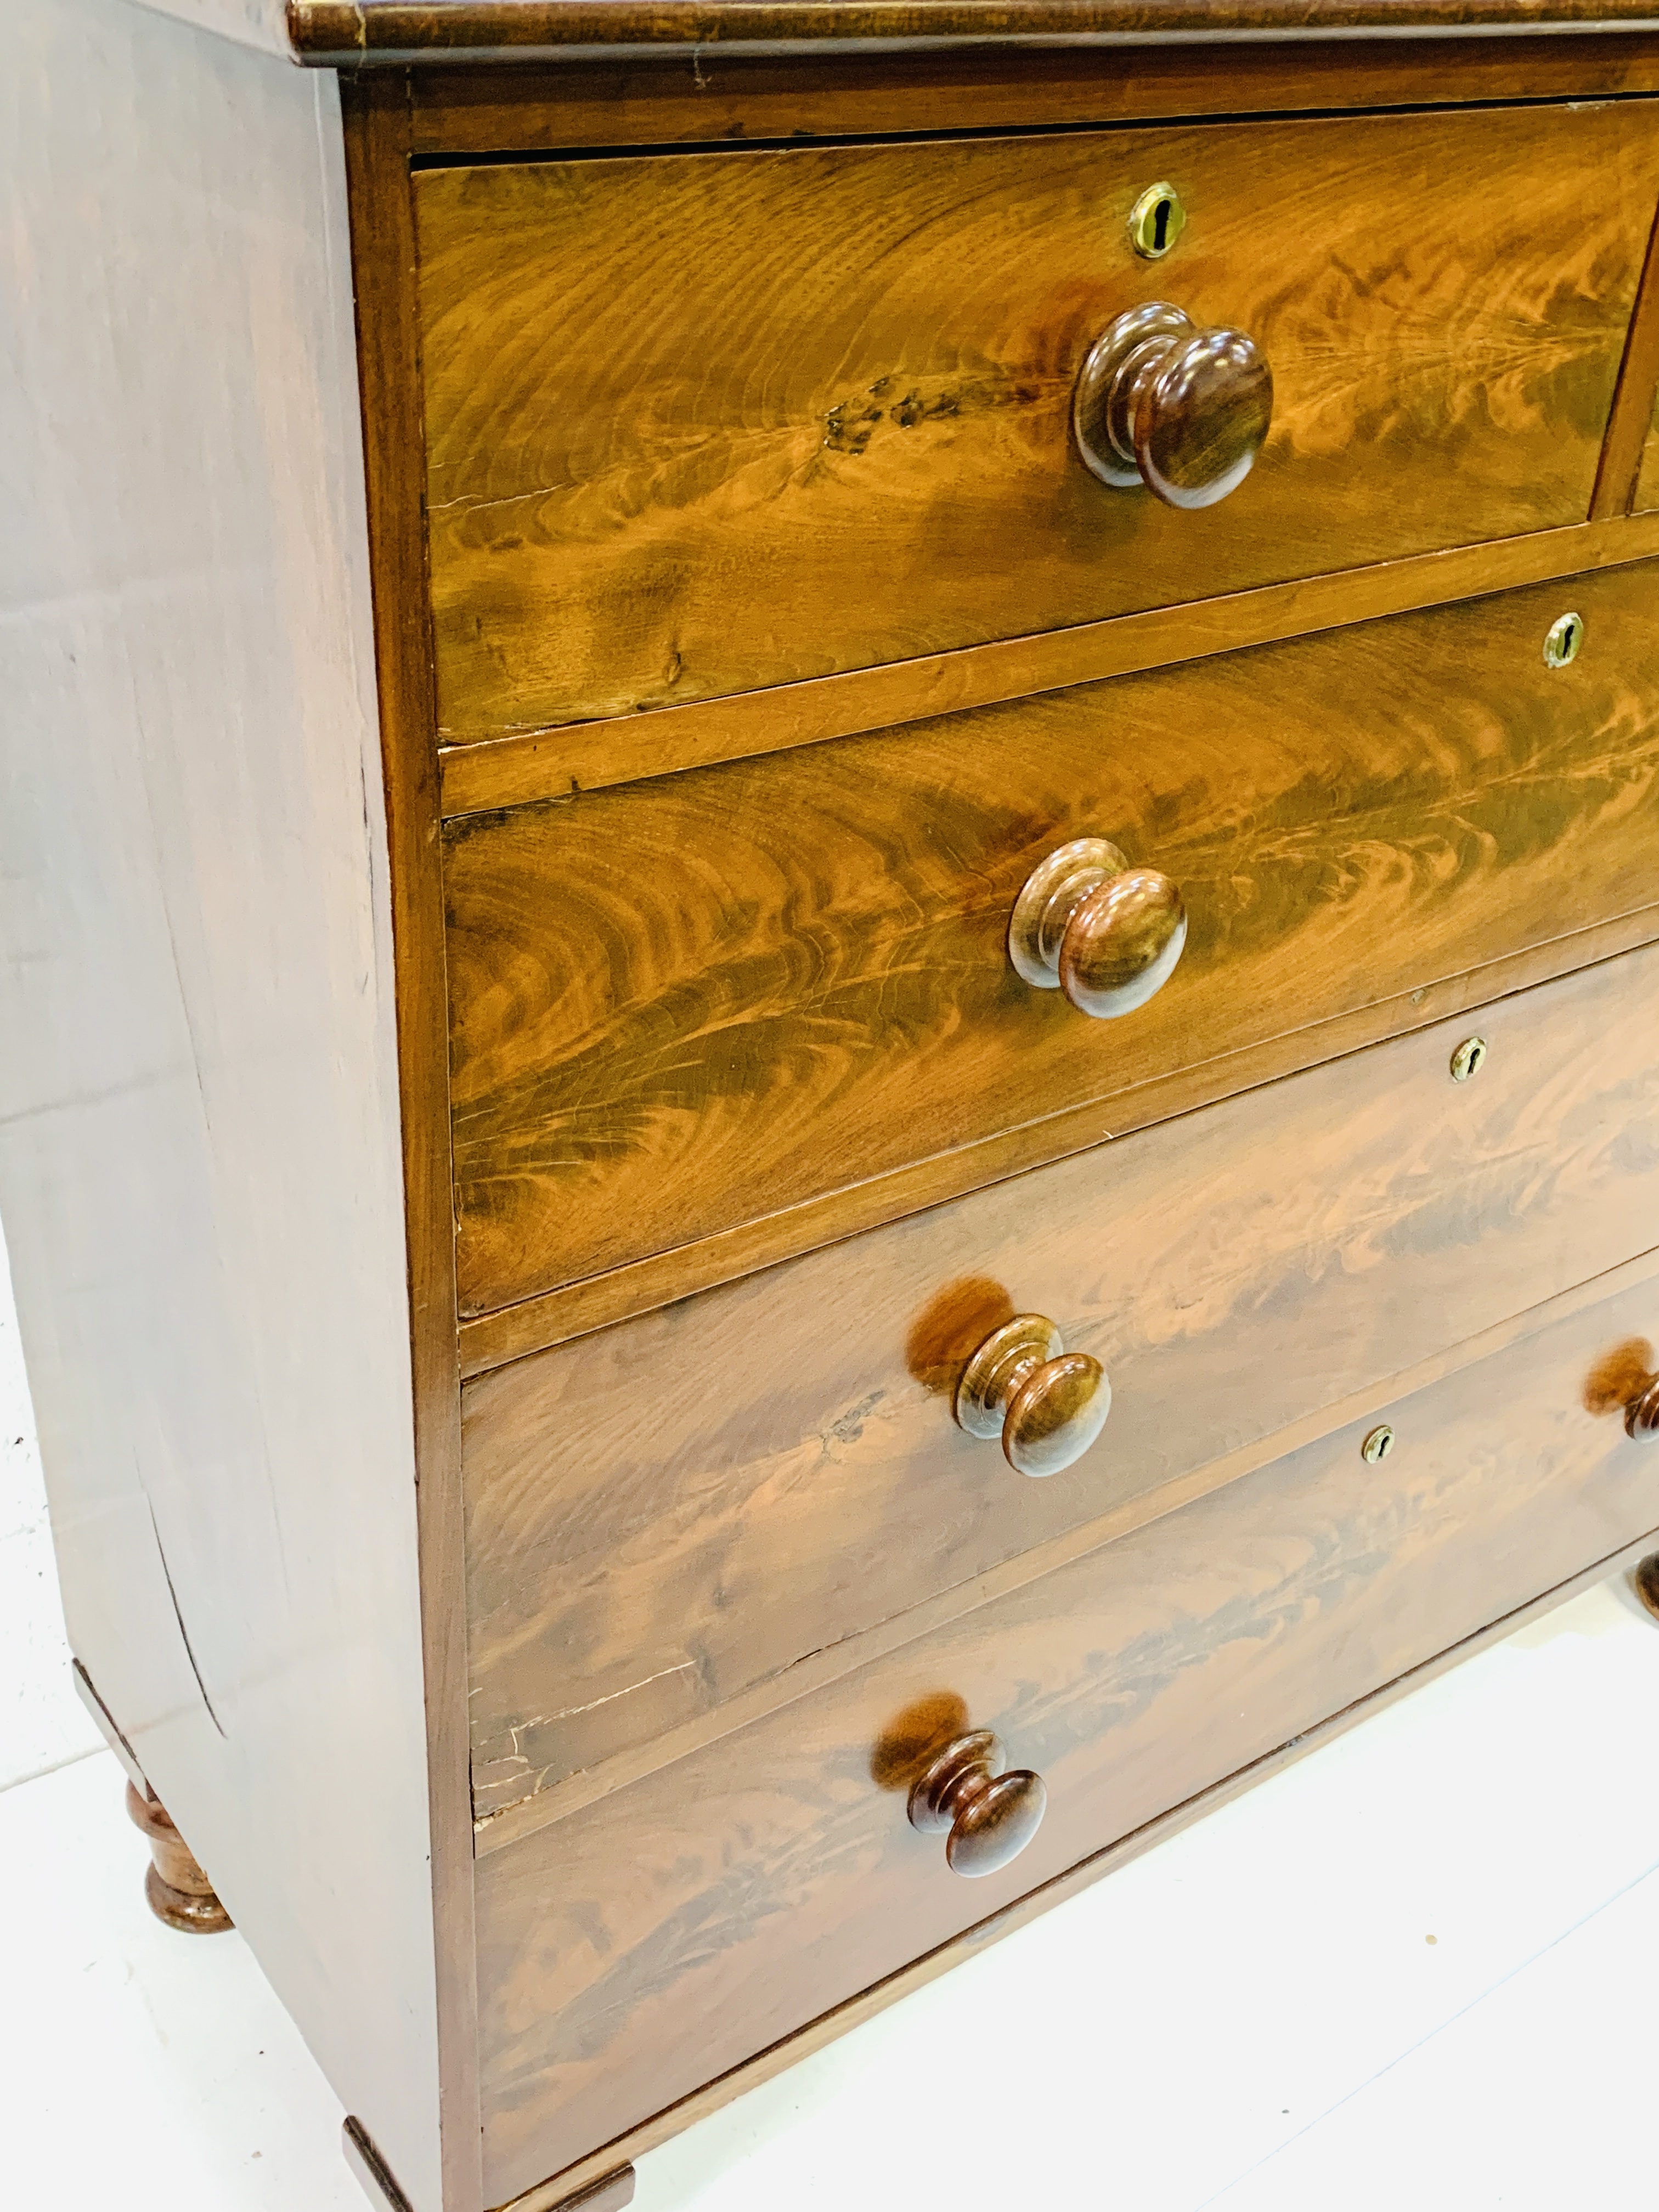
{"x":1566,"y":634}
{"x":1156,"y":221}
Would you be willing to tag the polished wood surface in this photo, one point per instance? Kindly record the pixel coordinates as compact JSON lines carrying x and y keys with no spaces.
{"x":588,"y":757}
{"x":1045,"y":1406}
{"x":662,"y":1517}
{"x":770,"y":1875}
{"x":376,"y":141}
{"x":1160,"y":403}
{"x":514,"y":1332}
{"x":338,"y":33}
{"x":199,"y":1174}
{"x":987,"y":1816}
{"x":765,"y":2065}
{"x":880,"y":443}
{"x":687,"y":1005}
{"x":1646,"y":494}
{"x":679,"y":99}
{"x":1618,"y":487}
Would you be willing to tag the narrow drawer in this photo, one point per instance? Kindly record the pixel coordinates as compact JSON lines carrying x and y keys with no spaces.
{"x":691,"y":1004}
{"x":671,"y":1514}
{"x":641,"y":1947}
{"x":700,"y":423}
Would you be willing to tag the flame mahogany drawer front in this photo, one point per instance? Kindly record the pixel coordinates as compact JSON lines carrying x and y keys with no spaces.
{"x":700,"y":1000}
{"x":701,"y":423}
{"x":664,"y":1517}
{"x":773,"y":1874}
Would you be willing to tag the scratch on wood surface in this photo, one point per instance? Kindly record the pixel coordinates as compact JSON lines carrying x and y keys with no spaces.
{"x":567,"y":1712}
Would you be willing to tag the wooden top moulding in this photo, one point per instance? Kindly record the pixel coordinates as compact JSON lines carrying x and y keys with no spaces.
{"x":339,"y":33}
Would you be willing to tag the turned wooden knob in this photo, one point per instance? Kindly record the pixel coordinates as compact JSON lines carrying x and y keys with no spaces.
{"x":1046,"y":1404}
{"x":1642,"y":1412}
{"x":990,"y":1816}
{"x":1090,"y":925}
{"x":1159,"y":402}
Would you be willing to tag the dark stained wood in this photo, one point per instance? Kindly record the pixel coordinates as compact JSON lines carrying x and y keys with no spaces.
{"x":338,"y":33}
{"x":682,"y":99}
{"x":841,"y":435}
{"x":592,"y":756}
{"x":1632,"y":420}
{"x":1645,"y":1583}
{"x":663,"y":1515}
{"x":771,"y":1877}
{"x":686,"y":1006}
{"x":376,"y":121}
{"x":1180,"y":409}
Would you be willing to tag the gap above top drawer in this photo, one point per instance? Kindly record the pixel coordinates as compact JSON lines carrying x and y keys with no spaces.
{"x":699,"y":423}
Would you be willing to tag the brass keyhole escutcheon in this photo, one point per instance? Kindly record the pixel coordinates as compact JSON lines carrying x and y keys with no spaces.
{"x":1468,"y":1059}
{"x":1561,"y":643}
{"x":1377,"y":1445}
{"x":1156,"y":221}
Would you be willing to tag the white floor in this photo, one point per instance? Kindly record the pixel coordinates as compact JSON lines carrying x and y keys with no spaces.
{"x":1415,"y":1971}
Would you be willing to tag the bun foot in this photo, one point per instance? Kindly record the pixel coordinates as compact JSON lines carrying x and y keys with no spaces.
{"x":179,"y":1892}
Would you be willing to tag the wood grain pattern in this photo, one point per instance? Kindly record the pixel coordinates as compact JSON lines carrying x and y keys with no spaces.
{"x":376,"y":118}
{"x":514,"y":1332}
{"x":772,"y":1877}
{"x":684,"y":1005}
{"x":1635,"y":400}
{"x":1647,"y":482}
{"x":764,"y":2065}
{"x":503,"y":1829}
{"x":841,"y":435}
{"x":337,"y":33}
{"x":682,"y":100}
{"x":557,"y":764}
{"x":665,"y":1514}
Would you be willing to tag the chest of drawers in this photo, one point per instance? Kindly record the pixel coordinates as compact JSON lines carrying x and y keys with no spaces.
{"x":832,"y":957}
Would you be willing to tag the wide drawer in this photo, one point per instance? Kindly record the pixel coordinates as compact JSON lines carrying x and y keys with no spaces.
{"x":698,"y":1001}
{"x":700,"y":423}
{"x":666,"y":1515}
{"x":641,"y":1947}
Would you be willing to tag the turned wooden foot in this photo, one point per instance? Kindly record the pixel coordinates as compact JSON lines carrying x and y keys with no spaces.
{"x":179,"y":1892}
{"x":1644,"y":1581}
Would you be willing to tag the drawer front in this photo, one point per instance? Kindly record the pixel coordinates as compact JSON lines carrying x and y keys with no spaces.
{"x":703,"y":422}
{"x":637,"y":1949}
{"x":689,"y":1004}
{"x":671,"y":1513}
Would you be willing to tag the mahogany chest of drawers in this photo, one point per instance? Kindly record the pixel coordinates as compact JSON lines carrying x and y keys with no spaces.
{"x":832,"y":957}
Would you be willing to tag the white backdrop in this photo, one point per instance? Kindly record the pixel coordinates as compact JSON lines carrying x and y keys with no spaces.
{"x":43,"y":1724}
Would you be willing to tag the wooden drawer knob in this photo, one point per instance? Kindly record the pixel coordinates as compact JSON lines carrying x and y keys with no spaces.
{"x":990,"y":1816}
{"x":1090,"y":925}
{"x":1642,"y":1413}
{"x":1159,"y":402}
{"x":1046,"y":1404}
